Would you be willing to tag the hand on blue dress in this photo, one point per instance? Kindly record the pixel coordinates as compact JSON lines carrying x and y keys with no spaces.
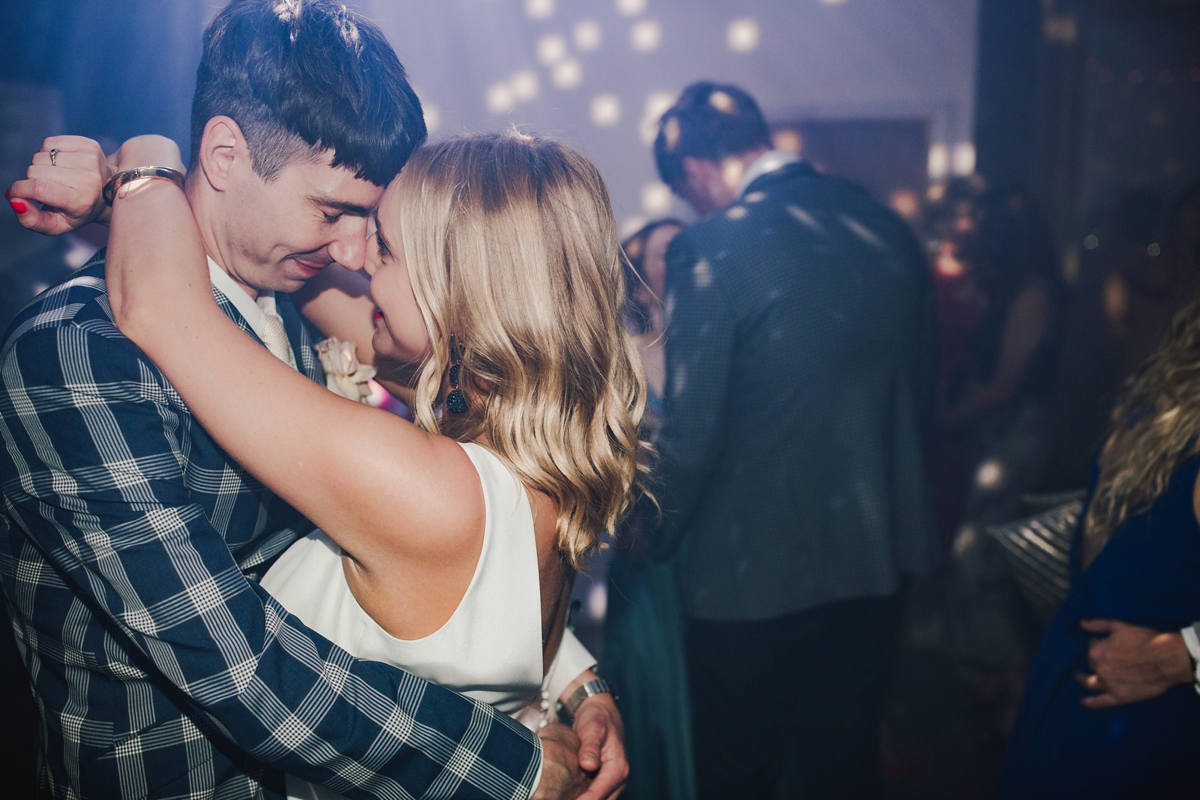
{"x":1131,"y":663}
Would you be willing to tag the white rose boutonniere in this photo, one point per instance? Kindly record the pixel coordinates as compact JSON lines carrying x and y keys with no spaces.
{"x":343,"y":374}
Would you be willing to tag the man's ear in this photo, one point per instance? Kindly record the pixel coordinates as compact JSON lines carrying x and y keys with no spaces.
{"x":223,"y":151}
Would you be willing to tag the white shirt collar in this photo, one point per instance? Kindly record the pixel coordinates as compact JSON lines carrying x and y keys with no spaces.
{"x":767,"y":162}
{"x":253,"y":311}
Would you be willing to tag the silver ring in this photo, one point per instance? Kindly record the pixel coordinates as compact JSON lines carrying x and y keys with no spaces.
{"x":54,"y":156}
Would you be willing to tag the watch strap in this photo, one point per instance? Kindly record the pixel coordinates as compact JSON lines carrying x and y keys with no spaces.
{"x":589,"y":689}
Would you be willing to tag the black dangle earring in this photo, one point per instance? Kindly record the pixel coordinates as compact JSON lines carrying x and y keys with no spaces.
{"x":456,"y":401}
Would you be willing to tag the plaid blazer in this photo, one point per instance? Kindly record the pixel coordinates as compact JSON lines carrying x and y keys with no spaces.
{"x":131,"y":549}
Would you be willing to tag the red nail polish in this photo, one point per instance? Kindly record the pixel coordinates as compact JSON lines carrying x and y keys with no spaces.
{"x":6,"y":191}
{"x":18,"y":206}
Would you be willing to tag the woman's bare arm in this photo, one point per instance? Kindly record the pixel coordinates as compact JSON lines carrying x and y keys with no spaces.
{"x":396,"y":498}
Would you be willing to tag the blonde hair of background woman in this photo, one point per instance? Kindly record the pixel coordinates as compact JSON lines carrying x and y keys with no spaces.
{"x":1156,"y":427}
{"x":512,"y":246}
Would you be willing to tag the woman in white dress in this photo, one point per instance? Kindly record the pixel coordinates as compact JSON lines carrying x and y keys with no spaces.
{"x":448,"y":546}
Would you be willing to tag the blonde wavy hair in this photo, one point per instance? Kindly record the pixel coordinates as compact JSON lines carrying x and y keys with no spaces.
{"x":1155,"y":428}
{"x":512,"y":247}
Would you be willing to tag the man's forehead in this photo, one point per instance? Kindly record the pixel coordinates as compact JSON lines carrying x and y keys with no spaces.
{"x":337,"y":186}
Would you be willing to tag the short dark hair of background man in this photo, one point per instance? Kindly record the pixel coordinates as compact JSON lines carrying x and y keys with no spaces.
{"x":800,"y":375}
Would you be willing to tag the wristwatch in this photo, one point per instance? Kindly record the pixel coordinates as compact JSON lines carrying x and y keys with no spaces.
{"x":589,"y":689}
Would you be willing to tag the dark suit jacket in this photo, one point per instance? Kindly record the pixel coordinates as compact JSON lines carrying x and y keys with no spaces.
{"x":800,"y":369}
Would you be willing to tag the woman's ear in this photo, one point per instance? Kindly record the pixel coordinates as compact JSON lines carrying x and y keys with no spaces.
{"x":223,"y":150}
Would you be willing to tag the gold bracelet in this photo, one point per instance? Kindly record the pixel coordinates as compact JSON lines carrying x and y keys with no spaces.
{"x":121,"y":178}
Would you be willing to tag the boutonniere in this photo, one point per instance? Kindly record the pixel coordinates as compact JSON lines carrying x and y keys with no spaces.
{"x":343,"y":374}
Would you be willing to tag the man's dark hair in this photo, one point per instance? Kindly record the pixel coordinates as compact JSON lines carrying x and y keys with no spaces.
{"x":304,"y":76}
{"x":710,"y":121}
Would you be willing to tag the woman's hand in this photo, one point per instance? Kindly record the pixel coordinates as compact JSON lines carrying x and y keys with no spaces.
{"x":68,"y":187}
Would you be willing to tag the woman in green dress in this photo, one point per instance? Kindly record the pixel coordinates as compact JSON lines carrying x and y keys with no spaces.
{"x":643,"y":642}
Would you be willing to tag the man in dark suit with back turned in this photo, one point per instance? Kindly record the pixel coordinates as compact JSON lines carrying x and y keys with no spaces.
{"x":799,"y":379}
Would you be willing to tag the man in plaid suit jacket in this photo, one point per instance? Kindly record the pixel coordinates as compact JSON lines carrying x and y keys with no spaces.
{"x":133,"y":545}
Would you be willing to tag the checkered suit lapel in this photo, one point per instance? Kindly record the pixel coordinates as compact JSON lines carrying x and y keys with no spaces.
{"x":299,"y":335}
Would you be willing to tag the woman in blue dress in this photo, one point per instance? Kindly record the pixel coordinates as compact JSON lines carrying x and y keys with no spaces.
{"x":643,"y":640}
{"x":1136,"y":559}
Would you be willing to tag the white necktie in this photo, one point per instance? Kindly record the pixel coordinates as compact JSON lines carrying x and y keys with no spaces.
{"x":275,"y":338}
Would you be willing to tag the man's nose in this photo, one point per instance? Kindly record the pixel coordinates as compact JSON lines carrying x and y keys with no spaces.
{"x":350,"y":248}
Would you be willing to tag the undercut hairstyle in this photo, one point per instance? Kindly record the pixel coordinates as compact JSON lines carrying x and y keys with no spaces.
{"x":511,"y":245}
{"x":710,"y":121}
{"x":303,"y":77}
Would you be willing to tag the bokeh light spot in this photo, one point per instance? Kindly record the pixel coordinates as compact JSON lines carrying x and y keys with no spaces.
{"x":597,"y":602}
{"x":1091,"y":241}
{"x":645,"y":35}
{"x":657,"y":104}
{"x":990,"y":474}
{"x":433,"y":117}
{"x":788,"y":140}
{"x":525,"y":85}
{"x":948,"y":266}
{"x":632,"y":225}
{"x":551,"y":49}
{"x":500,"y":98}
{"x":656,"y":198}
{"x":539,"y":9}
{"x":567,"y":74}
{"x":631,"y":8}
{"x":964,"y":158}
{"x":606,"y":110}
{"x":587,"y":35}
{"x":906,"y":203}
{"x":938,"y":163}
{"x":742,"y":35}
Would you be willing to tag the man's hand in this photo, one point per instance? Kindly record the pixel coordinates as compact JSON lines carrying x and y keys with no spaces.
{"x":1130,"y":663}
{"x":68,"y":186}
{"x":602,"y":746}
{"x":561,"y":776}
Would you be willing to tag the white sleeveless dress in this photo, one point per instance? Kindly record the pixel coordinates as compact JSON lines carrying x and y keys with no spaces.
{"x":490,"y":648}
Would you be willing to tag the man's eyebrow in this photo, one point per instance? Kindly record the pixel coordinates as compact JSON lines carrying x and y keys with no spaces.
{"x":345,"y":208}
